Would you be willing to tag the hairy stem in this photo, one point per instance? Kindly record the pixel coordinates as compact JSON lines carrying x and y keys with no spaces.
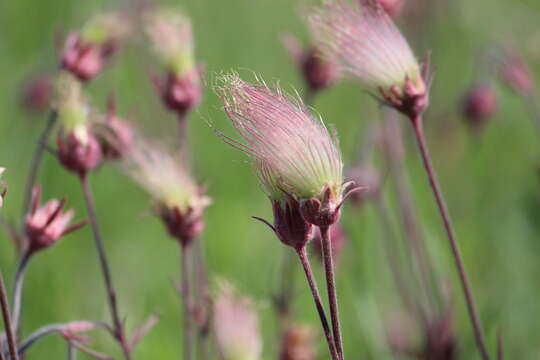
{"x":186,"y":266}
{"x":302,"y":254}
{"x":105,"y":268}
{"x":331,"y":287}
{"x":456,"y":252}
{"x":10,"y":334}
{"x":36,"y":161}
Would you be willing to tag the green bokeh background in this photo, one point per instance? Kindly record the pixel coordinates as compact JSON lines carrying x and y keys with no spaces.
{"x":491,"y":183}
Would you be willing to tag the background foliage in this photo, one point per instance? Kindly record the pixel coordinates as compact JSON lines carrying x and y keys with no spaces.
{"x":491,"y":182}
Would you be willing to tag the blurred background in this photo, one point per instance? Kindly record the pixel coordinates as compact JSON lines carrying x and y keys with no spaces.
{"x":490,"y":178}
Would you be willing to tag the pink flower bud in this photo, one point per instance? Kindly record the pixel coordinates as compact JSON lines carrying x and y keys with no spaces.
{"x":479,"y":104}
{"x":517,"y":75}
{"x":115,"y":135}
{"x":181,"y":93}
{"x":45,"y":225}
{"x":337,"y":238}
{"x":37,"y":93}
{"x":82,"y":59}
{"x":299,"y":343}
{"x":183,"y":225}
{"x":77,"y":152}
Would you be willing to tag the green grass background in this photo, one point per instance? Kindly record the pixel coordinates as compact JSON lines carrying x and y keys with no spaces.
{"x":491,"y":185}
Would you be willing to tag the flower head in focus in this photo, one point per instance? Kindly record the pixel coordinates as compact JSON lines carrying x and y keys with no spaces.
{"x":86,"y":52}
{"x":178,"y":199}
{"x":78,"y":149}
{"x":236,"y":325}
{"x":294,"y":155}
{"x":363,"y":41}
{"x":44,"y":225}
{"x":171,"y":35}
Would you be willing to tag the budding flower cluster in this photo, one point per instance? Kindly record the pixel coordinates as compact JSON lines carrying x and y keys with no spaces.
{"x":178,"y":200}
{"x":363,"y":41}
{"x":78,"y":149}
{"x":86,"y":52}
{"x":236,"y":325}
{"x":296,"y":159}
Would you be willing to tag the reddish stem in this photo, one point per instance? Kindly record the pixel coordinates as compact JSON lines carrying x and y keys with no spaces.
{"x":10,"y":335}
{"x":456,"y":252}
{"x":302,"y":254}
{"x":186,"y":266}
{"x":105,"y":268}
{"x":331,"y":288}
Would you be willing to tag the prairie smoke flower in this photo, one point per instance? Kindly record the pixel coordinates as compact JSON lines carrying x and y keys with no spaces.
{"x":86,"y":52}
{"x":317,"y":73}
{"x":178,"y":200}
{"x":299,"y":343}
{"x":172,"y":36}
{"x":479,"y":104}
{"x":296,"y":159}
{"x":45,"y":225}
{"x":363,"y":41}
{"x":236,"y":325}
{"x":78,"y":149}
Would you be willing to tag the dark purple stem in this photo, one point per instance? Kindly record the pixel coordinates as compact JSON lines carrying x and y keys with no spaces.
{"x":331,"y":287}
{"x":456,"y":252}
{"x":186,"y":266}
{"x":36,"y":161}
{"x":302,"y":254}
{"x":10,"y":334}
{"x":105,"y":268}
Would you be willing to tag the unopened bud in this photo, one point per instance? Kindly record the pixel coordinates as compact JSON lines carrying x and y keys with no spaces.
{"x":183,"y":225}
{"x":180,"y":93}
{"x":479,"y":104}
{"x":78,"y":151}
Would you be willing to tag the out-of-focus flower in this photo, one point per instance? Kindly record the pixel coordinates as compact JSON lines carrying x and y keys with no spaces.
{"x":479,"y":105}
{"x":441,"y":342}
{"x":316,"y":72}
{"x":392,"y":7}
{"x":371,"y":181}
{"x":46,"y":224}
{"x":294,"y":154}
{"x":86,"y":52}
{"x":299,"y":343}
{"x":172,"y":37}
{"x":114,"y":134}
{"x":37,"y":92}
{"x":178,"y":200}
{"x":78,"y":149}
{"x":516,"y":74}
{"x":236,"y":325}
{"x":363,"y":41}
{"x":337,"y":238}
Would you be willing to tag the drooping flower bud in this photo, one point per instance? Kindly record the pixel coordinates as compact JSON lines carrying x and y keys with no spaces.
{"x":393,"y":7}
{"x":479,"y":104}
{"x":45,"y":225}
{"x":363,"y":41}
{"x":37,"y":92}
{"x":85,"y":53}
{"x":299,"y":343}
{"x":236,"y":325}
{"x":114,"y":134}
{"x":516,"y":74}
{"x":177,"y":198}
{"x":294,"y":154}
{"x":172,"y":37}
{"x":316,"y":72}
{"x":337,"y":238}
{"x":78,"y":149}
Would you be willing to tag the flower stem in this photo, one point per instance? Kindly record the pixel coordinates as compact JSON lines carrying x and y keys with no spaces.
{"x":186,"y":266}
{"x":302,"y":254}
{"x":37,"y":160}
{"x":71,"y":351}
{"x":18,"y":289}
{"x":456,"y":252}
{"x":10,"y":334}
{"x":105,"y":268}
{"x":331,"y":287}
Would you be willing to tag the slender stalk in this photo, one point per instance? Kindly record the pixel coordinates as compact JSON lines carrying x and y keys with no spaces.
{"x":302,"y":254}
{"x":331,"y":287}
{"x":456,"y":252}
{"x":186,"y":266}
{"x":71,"y":351}
{"x":105,"y":268}
{"x":37,"y":160}
{"x":10,"y":334}
{"x":18,"y":290}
